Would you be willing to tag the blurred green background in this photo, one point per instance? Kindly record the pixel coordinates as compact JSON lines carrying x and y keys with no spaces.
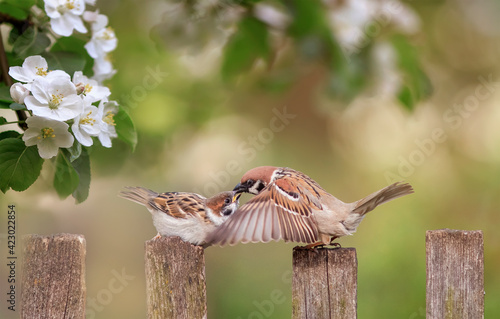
{"x":355,"y":123}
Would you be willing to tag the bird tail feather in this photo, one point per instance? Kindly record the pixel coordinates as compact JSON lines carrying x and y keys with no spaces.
{"x":140,"y":195}
{"x":384,"y":195}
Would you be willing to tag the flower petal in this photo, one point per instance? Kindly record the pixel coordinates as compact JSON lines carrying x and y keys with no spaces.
{"x":61,"y":26}
{"x":76,"y":22}
{"x":47,"y":149}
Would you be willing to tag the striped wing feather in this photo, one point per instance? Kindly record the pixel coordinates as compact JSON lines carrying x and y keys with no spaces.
{"x":179,"y":205}
{"x":281,"y":211}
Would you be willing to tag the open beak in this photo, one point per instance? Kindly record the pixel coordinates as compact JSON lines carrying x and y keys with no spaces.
{"x":236,"y":196}
{"x":240,"y":188}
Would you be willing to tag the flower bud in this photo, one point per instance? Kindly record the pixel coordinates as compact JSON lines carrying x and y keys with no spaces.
{"x":18,"y":92}
{"x":80,"y":88}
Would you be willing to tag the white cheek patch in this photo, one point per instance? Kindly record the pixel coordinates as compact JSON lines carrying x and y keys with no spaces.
{"x":255,"y":188}
{"x":217,"y":220}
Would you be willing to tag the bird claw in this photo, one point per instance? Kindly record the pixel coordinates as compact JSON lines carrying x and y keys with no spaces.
{"x":158,"y":236}
{"x":335,"y":245}
{"x":311,"y":247}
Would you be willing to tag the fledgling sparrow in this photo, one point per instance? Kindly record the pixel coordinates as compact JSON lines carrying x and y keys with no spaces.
{"x":187,"y":215}
{"x":291,"y":206}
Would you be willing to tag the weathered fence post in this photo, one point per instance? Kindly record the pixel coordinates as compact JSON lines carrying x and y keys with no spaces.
{"x":455,"y":274}
{"x":175,"y":279}
{"x":324,"y":283}
{"x":53,"y":282}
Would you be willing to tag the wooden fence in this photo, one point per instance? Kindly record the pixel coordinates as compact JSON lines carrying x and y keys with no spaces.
{"x":324,"y":281}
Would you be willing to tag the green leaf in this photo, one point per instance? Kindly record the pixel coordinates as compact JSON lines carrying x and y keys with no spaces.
{"x":77,"y":46}
{"x":13,"y":35}
{"x":416,"y":84}
{"x":405,"y":97}
{"x":307,"y":16}
{"x":18,"y":9}
{"x":17,"y":106}
{"x":82,"y":167}
{"x":67,"y":61}
{"x":5,"y":93}
{"x":9,"y":134}
{"x":3,"y":120}
{"x":13,"y":11}
{"x":249,"y":43}
{"x":20,"y":165}
{"x":31,"y":42}
{"x":125,"y":128}
{"x":66,"y":178}
{"x":13,"y":59}
{"x":75,"y":151}
{"x":24,"y":4}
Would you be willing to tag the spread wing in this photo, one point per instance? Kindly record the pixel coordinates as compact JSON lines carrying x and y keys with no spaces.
{"x":282,"y":210}
{"x":179,"y":205}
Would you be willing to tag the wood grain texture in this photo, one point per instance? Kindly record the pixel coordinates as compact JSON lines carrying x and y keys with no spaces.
{"x":324,"y":283}
{"x":175,"y":279}
{"x":54,"y":276}
{"x":455,"y":274}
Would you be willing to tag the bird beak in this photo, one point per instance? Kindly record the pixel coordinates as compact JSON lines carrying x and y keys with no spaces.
{"x":236,"y":196}
{"x":240,"y":188}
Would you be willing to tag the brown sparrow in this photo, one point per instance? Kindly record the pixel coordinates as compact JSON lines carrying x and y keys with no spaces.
{"x":291,"y":206}
{"x":187,"y":215}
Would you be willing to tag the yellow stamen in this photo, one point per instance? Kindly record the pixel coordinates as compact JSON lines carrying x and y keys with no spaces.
{"x":108,"y":34}
{"x":70,"y":4}
{"x":87,"y":120}
{"x":47,"y":132}
{"x":87,"y":88}
{"x":41,"y":71}
{"x":109,"y":118}
{"x":55,"y":101}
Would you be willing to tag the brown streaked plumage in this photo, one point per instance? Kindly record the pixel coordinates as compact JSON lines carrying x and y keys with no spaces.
{"x":291,"y":206}
{"x":187,"y":215}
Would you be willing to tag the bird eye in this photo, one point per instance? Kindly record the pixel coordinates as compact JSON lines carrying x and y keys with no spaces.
{"x":227,"y":201}
{"x":250,"y":183}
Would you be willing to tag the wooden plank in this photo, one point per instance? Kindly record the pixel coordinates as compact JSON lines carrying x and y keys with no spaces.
{"x":324,"y":283}
{"x":53,"y":283}
{"x":175,"y":279}
{"x":455,"y":274}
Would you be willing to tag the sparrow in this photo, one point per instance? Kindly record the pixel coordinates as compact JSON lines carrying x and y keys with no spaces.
{"x":187,"y":215}
{"x":289,"y":205}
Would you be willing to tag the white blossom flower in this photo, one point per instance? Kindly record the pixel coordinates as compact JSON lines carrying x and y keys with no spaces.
{"x":356,"y":22}
{"x":89,"y":89}
{"x":107,"y":111}
{"x":34,"y":67}
{"x":65,"y":15}
{"x":18,"y":92}
{"x":103,"y":69}
{"x":48,"y":135}
{"x":87,"y":125}
{"x":102,"y":42}
{"x":55,"y":98}
{"x":272,"y":16}
{"x":97,"y":21}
